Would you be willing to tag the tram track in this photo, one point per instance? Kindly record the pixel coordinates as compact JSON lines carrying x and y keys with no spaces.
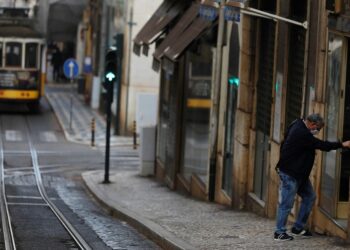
{"x":9,"y":240}
{"x":7,"y":223}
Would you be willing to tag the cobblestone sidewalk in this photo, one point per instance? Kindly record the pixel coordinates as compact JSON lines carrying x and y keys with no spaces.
{"x":75,"y":117}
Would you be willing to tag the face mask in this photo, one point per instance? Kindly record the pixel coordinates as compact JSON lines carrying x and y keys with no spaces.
{"x":314,"y":131}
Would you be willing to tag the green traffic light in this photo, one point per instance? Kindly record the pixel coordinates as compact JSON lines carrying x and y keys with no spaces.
{"x":110,"y":76}
{"x":233,"y":80}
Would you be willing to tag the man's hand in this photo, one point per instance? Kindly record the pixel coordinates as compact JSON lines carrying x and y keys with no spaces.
{"x":346,"y":144}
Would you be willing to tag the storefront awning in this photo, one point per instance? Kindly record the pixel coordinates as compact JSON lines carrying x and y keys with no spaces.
{"x":154,"y":27}
{"x":189,"y":35}
{"x":187,"y":29}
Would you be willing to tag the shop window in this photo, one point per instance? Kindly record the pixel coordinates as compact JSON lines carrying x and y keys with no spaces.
{"x":196,"y":116}
{"x":13,"y":54}
{"x":31,"y":58}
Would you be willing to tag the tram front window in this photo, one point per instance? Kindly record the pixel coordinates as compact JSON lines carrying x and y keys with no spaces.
{"x":13,"y":54}
{"x":31,"y":55}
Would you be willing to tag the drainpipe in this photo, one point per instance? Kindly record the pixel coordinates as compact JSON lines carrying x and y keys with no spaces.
{"x":306,"y":61}
{"x":214,"y":115}
{"x":103,"y":40}
{"x":131,"y":23}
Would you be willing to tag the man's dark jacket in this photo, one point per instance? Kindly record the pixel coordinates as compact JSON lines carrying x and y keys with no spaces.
{"x":297,"y":153}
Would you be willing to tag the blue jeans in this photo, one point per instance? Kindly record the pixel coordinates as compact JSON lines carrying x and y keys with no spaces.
{"x":289,"y":187}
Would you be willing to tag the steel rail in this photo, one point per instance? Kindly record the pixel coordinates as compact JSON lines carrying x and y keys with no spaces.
{"x":79,"y":240}
{"x":9,"y":239}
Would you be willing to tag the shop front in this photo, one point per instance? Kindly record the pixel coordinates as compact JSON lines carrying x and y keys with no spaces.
{"x":334,"y":183}
{"x":184,"y":59}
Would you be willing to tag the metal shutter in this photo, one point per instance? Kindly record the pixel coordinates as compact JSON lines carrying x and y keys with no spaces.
{"x":295,"y":73}
{"x":264,"y":84}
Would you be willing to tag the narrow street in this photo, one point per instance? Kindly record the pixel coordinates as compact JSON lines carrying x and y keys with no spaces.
{"x":61,"y":164}
{"x":174,"y":124}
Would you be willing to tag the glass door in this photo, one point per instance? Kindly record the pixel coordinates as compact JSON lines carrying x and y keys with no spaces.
{"x":229,"y":138}
{"x":333,"y":128}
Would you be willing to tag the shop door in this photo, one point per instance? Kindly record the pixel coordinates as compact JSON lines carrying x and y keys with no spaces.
{"x":229,"y":138}
{"x":331,"y":163}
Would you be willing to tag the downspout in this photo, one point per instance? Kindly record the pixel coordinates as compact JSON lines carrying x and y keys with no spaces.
{"x":103,"y":41}
{"x":306,"y":60}
{"x":128,"y":74}
{"x":101,"y":50}
{"x":214,"y":115}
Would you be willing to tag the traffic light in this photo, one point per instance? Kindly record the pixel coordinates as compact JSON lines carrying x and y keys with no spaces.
{"x":110,"y":74}
{"x":233,"y":80}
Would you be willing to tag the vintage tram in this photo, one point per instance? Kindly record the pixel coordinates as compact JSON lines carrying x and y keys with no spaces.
{"x":22,"y":65}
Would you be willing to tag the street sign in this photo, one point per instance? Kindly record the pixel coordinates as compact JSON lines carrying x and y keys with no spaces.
{"x":208,"y":11}
{"x":70,"y":68}
{"x":232,"y":10}
{"x":232,"y":13}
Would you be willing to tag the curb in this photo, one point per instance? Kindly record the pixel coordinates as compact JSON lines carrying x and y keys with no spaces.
{"x":151,"y":230}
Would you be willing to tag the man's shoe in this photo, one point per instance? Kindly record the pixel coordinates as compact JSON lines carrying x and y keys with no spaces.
{"x":305,"y":233}
{"x":282,"y":237}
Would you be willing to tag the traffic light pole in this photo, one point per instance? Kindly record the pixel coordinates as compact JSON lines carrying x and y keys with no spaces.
{"x":111,"y":66}
{"x":108,"y":133}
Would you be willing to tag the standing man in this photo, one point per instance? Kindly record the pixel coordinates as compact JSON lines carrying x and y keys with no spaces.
{"x":297,"y":157}
{"x":57,"y":64}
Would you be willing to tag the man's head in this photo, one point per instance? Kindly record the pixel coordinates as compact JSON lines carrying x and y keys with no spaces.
{"x":314,"y":123}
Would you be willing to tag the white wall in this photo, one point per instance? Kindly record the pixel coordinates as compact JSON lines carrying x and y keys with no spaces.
{"x":141,"y":70}
{"x":141,"y":77}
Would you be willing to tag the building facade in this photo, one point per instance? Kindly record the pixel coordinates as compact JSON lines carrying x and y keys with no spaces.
{"x":114,"y":23}
{"x":234,"y":75}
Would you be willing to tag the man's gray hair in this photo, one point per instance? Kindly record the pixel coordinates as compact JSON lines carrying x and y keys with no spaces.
{"x":316,"y":118}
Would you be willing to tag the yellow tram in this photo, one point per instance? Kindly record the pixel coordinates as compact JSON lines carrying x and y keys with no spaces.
{"x":22,"y":65}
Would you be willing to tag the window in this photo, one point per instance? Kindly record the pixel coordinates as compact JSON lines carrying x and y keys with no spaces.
{"x":31,"y":55}
{"x":196,"y":124}
{"x":13,"y":54}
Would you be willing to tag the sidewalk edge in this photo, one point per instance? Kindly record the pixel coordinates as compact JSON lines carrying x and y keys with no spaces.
{"x":151,"y":230}
{"x":60,"y":122}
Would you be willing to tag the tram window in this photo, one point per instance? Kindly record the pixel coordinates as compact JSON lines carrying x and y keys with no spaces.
{"x":31,"y":55}
{"x":13,"y":54}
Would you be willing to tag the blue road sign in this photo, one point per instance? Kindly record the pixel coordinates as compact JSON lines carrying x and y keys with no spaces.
{"x":70,"y":68}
